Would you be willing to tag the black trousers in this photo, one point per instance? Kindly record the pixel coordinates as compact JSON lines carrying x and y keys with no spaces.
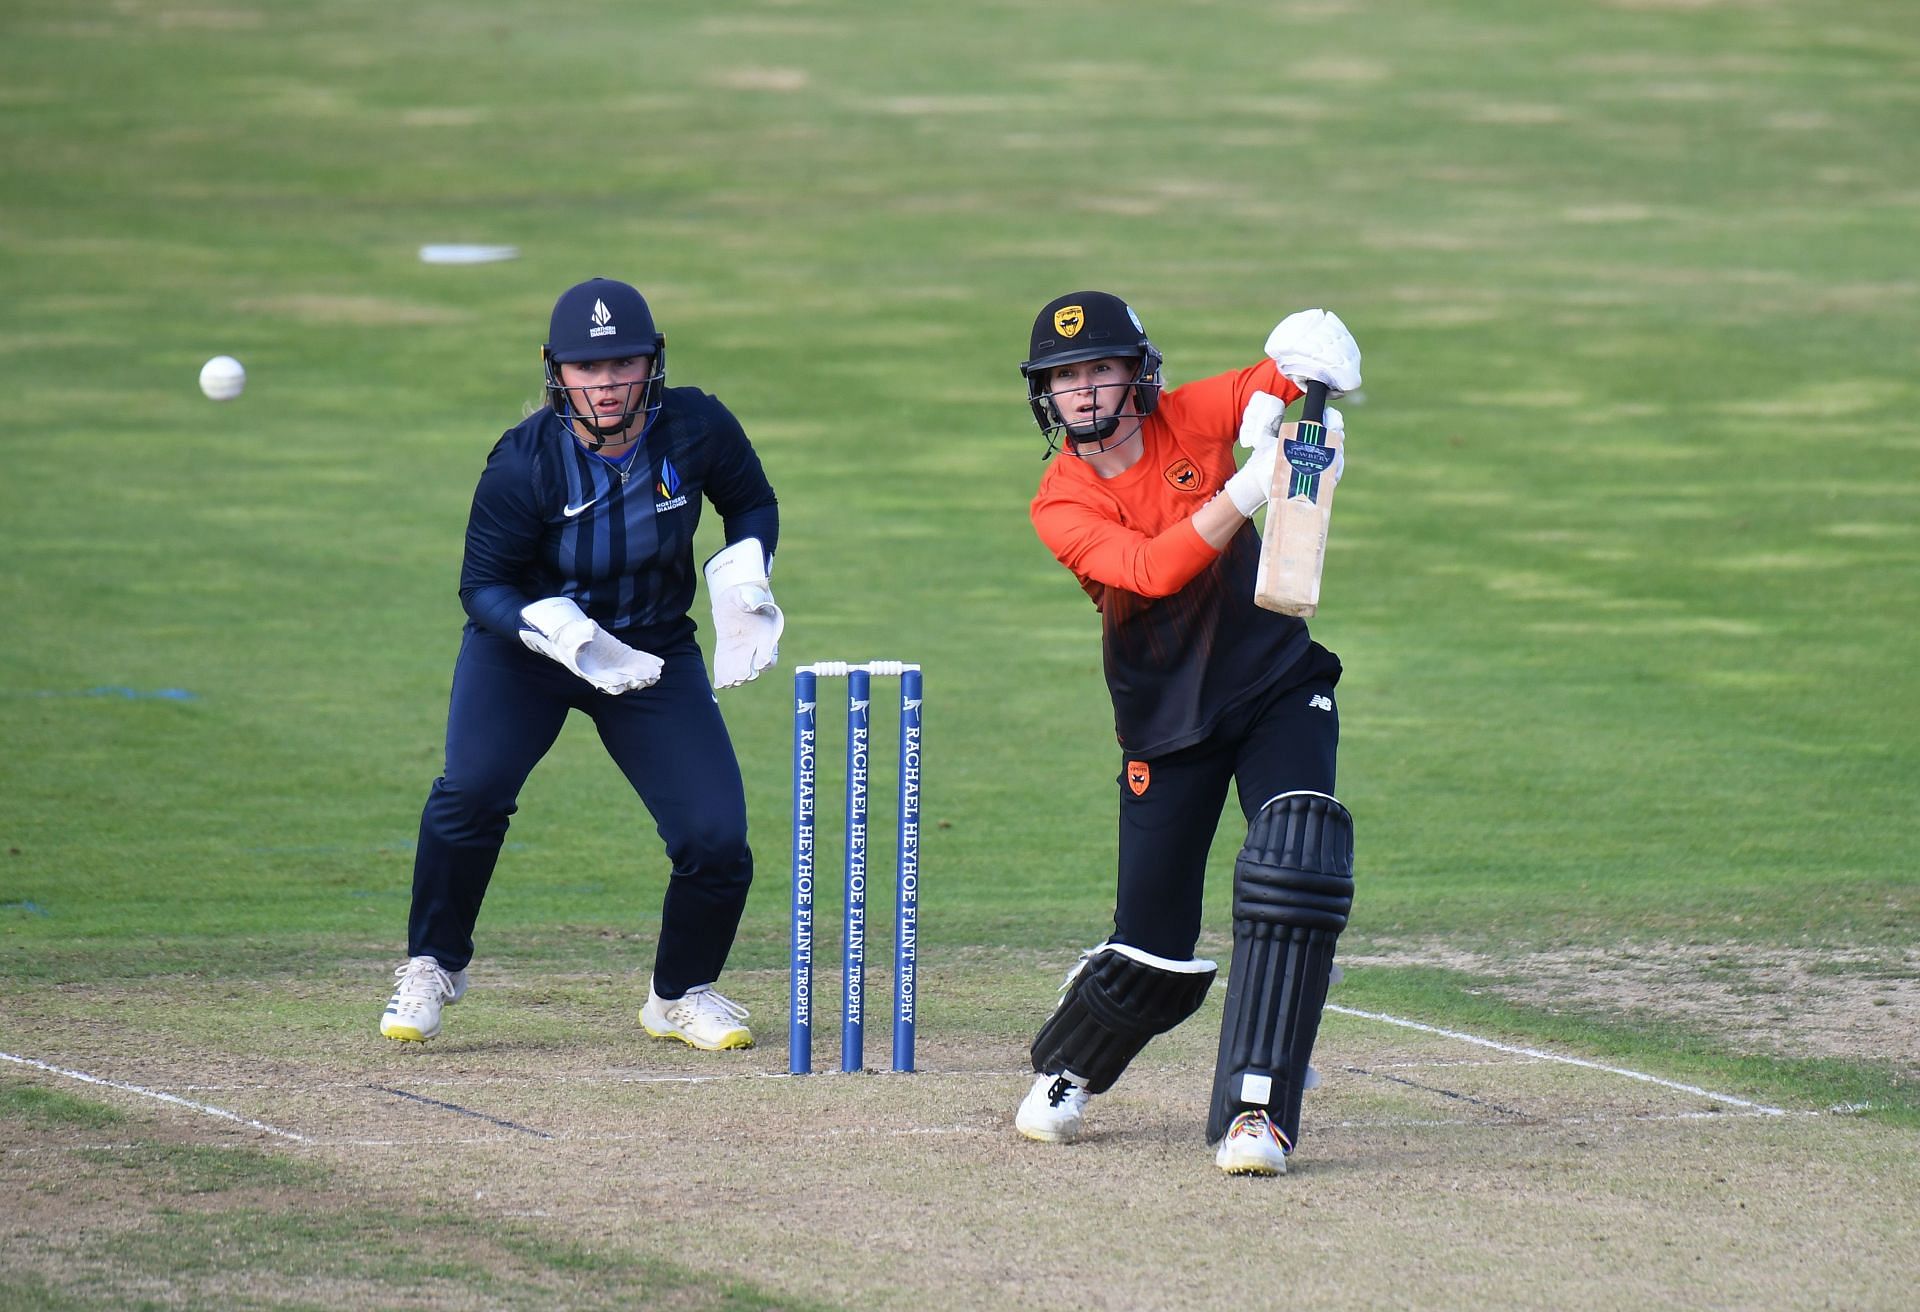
{"x":1170,"y":805}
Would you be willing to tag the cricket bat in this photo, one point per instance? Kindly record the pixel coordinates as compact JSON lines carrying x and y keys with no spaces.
{"x":1293,"y":546}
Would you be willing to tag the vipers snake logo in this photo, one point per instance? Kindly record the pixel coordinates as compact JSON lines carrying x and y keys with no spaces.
{"x":1068,"y":320}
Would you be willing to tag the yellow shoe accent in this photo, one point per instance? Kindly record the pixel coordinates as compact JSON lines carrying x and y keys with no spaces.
{"x":726,"y":1043}
{"x":704,"y":1018}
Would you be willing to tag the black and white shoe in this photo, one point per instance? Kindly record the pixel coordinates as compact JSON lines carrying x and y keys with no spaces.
{"x":1054,"y":1110}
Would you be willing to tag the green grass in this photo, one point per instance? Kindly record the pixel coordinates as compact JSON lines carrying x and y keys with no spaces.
{"x":1637,"y":1040}
{"x":1622,"y":575}
{"x":48,"y":1108}
{"x":236,"y":1227}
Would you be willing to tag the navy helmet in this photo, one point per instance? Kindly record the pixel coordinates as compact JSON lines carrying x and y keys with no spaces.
{"x":602,"y":319}
{"x":1087,"y":326}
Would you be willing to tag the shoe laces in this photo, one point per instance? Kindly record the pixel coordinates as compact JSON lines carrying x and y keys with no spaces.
{"x":423,"y":977}
{"x":1257,"y":1124}
{"x":709,"y":1002}
{"x":1064,"y":1092}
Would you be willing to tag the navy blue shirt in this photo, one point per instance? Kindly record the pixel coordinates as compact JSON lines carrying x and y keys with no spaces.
{"x":551,"y":520}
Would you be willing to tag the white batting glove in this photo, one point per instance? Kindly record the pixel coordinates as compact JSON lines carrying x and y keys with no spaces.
{"x":1314,"y":346}
{"x":1336,"y":422}
{"x":1260,"y":421}
{"x":557,"y":628}
{"x":746,"y":622}
{"x":1252,"y":483}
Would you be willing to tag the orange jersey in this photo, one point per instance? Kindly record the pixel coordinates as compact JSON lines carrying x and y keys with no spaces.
{"x":1182,"y":640}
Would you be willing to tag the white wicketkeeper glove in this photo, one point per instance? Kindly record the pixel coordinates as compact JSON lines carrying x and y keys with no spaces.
{"x":1314,"y":346}
{"x":746,"y":623}
{"x":558,"y":628}
{"x":1252,"y":483}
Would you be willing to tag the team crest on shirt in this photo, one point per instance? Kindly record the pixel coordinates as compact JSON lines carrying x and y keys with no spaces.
{"x":1183,"y":476}
{"x":1139,"y":775}
{"x":1068,"y":320}
{"x":668,"y":486}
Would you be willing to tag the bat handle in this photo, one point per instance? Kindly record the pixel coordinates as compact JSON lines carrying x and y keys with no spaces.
{"x":1314,"y":409}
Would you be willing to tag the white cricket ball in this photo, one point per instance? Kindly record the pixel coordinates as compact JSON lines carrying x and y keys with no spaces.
{"x":223,"y":378}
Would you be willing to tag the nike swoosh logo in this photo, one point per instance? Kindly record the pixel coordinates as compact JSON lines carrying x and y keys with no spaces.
{"x":571,"y":511}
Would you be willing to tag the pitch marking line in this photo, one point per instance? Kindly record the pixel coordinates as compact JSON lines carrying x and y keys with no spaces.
{"x":203,"y":1107}
{"x":464,"y":1111}
{"x":1726,"y":1098}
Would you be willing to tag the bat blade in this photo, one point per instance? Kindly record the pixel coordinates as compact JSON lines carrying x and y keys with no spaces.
{"x":1293,"y":546}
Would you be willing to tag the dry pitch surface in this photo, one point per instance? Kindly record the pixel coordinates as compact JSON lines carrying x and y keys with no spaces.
{"x":1435,"y":1171}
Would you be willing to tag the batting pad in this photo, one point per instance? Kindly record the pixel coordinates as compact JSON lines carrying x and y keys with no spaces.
{"x":1292,"y":890}
{"x":1116,"y":999}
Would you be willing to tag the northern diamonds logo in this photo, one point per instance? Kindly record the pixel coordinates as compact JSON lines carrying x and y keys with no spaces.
{"x":571,"y":511}
{"x":1068,"y":320}
{"x":602,"y":320}
{"x":668,"y":487}
{"x":1320,"y":702}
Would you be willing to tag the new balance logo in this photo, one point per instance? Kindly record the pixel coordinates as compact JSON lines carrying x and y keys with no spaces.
{"x":1320,"y":702}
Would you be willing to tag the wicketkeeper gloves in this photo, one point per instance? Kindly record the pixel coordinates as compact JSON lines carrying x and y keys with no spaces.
{"x":746,"y":622}
{"x":1314,"y":346}
{"x":558,"y":628}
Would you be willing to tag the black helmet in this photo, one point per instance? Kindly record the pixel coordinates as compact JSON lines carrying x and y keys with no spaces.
{"x":1087,"y":326}
{"x":602,"y":319}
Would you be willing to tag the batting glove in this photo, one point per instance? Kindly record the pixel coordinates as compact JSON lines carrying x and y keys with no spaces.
{"x":1313,"y":346}
{"x":1252,"y":484}
{"x":559,"y":629}
{"x":746,"y":622}
{"x":1260,"y":421}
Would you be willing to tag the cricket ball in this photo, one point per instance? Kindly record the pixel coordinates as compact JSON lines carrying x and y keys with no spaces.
{"x":223,"y":378}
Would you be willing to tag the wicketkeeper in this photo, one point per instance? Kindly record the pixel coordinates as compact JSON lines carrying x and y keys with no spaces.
{"x":1151,"y":515}
{"x":577,"y":581}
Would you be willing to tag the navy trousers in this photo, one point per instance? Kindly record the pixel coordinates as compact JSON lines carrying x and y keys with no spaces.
{"x":1170,"y":805}
{"x":507,"y":708}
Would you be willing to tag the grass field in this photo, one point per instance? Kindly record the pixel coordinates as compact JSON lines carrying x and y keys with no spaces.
{"x":1623,"y":576}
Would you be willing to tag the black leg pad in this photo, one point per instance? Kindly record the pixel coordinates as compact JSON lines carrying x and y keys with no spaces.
{"x":1292,"y":891}
{"x":1115,"y":1000}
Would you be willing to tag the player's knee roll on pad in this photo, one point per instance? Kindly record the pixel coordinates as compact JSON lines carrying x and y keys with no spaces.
{"x":1292,"y":890}
{"x":1117,"y":998}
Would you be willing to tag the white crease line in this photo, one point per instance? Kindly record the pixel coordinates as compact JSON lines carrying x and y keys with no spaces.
{"x":635,"y":1136}
{"x":1727,"y":1098}
{"x":208,"y":1108}
{"x":1444,"y":1065}
{"x":1384,"y":1123}
{"x":545,"y":1081}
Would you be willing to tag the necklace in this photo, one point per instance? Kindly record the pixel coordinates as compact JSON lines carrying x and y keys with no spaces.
{"x":624,"y":470}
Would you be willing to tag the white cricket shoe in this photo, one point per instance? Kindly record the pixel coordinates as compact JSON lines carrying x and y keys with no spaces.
{"x":413,"y":1012}
{"x":1252,"y":1147}
{"x":1054,"y":1110}
{"x":705,"y":1018}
